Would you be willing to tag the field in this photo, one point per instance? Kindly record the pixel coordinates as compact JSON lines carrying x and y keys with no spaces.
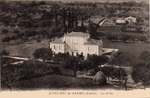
{"x":132,"y":48}
{"x":25,"y":49}
{"x":117,"y":30}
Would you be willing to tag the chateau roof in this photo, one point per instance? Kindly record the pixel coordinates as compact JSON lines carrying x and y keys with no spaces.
{"x":89,"y":41}
{"x":58,"y":41}
{"x":92,"y":42}
{"x":77,"y":34}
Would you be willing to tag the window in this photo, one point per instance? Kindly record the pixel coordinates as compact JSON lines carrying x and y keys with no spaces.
{"x":59,"y":47}
{"x":54,"y":47}
{"x":68,"y":40}
{"x":88,"y":49}
{"x":74,"y":40}
{"x":93,"y":48}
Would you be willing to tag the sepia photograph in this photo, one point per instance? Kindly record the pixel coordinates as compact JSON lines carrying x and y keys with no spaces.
{"x":65,"y":45}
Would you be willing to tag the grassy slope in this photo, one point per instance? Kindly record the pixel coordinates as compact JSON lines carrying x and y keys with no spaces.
{"x":58,"y":82}
{"x":25,"y":49}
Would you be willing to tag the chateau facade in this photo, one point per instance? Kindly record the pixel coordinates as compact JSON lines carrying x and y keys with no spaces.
{"x":77,"y":43}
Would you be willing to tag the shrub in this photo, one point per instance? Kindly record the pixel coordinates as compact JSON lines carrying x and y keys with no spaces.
{"x":4,"y":31}
{"x":112,"y":36}
{"x":16,"y":31}
{"x":142,"y":38}
{"x":4,"y":52}
{"x":38,"y":40}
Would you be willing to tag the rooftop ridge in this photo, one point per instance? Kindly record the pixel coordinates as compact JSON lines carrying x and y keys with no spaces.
{"x":94,"y":41}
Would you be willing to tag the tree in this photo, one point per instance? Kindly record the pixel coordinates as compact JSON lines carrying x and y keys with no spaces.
{"x":55,"y":6}
{"x":82,"y":22}
{"x":142,"y":38}
{"x":13,"y":38}
{"x":73,"y":63}
{"x":41,"y":3}
{"x":64,"y":16}
{"x":55,"y":18}
{"x":120,"y":60}
{"x":27,"y":33}
{"x":138,"y":29}
{"x":86,"y":65}
{"x":20,"y":35}
{"x":69,"y":19}
{"x":145,"y":55}
{"x":38,"y":40}
{"x":125,"y":37}
{"x":43,"y":32}
{"x":69,"y":62}
{"x":55,"y":31}
{"x":8,"y":78}
{"x":4,"y":52}
{"x":96,"y":60}
{"x":124,"y":28}
{"x":72,"y":18}
{"x":139,"y":20}
{"x":4,"y":31}
{"x":108,"y":71}
{"x":76,"y":19}
{"x":26,"y":70}
{"x":43,"y":53}
{"x":6,"y":39}
{"x":92,"y":29}
{"x":111,"y":36}
{"x":26,"y":24}
{"x":47,"y":16}
{"x":46,"y":23}
{"x":58,"y":58}
{"x":120,"y":74}
{"x":16,"y":31}
{"x":33,"y":33}
{"x":141,"y":73}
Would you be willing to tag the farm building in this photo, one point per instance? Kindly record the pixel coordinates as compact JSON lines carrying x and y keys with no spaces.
{"x":120,"y":21}
{"x":131,"y":19}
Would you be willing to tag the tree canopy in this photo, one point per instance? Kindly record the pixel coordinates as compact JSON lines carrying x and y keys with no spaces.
{"x":95,"y":60}
{"x":141,"y":69}
{"x":43,"y":53}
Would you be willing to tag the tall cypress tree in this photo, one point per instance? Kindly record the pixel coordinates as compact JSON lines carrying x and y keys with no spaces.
{"x":55,"y":18}
{"x":64,"y":20}
{"x":82,"y":22}
{"x":76,"y":19}
{"x":69,"y":19}
{"x":64,"y":17}
{"x":72,"y":18}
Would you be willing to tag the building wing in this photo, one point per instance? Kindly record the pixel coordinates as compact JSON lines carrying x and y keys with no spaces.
{"x":58,"y":41}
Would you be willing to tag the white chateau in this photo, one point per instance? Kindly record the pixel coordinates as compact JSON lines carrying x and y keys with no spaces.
{"x":77,"y":43}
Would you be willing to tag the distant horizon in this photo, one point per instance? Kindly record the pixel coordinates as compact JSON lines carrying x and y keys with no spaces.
{"x":86,"y":0}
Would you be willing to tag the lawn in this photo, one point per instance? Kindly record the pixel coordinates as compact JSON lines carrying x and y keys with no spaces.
{"x":132,"y":48}
{"x":25,"y":49}
{"x":20,"y":48}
